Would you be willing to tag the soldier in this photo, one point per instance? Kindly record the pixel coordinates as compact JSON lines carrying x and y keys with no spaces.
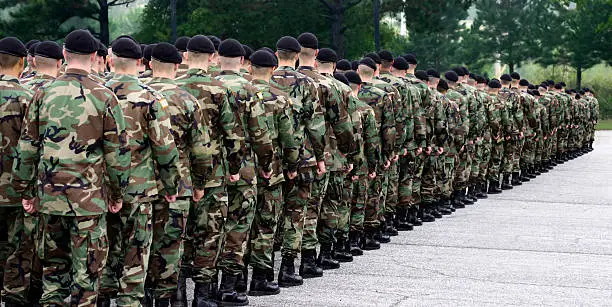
{"x":30,"y":71}
{"x":16,"y":245}
{"x":309,"y":123}
{"x":449,"y":151}
{"x":181,"y":45}
{"x":244,"y":70}
{"x":512,"y":134}
{"x":439,"y":169}
{"x":530,"y":124}
{"x":191,"y":138}
{"x":48,"y":60}
{"x":213,"y":69}
{"x":153,"y":151}
{"x":84,"y":142}
{"x":147,"y":74}
{"x":485,"y":158}
{"x":269,"y":191}
{"x":380,"y":102}
{"x":242,"y":194}
{"x":497,"y":121}
{"x":203,"y":236}
{"x":343,"y":66}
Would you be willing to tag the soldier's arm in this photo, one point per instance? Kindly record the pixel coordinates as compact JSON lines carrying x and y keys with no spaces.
{"x":291,"y":150}
{"x":371,"y":141}
{"x":404,"y":125}
{"x":337,"y":115}
{"x":314,"y":121}
{"x":24,"y":172}
{"x":441,"y":129}
{"x":388,"y":132}
{"x":420,"y":126}
{"x":201,"y":156}
{"x":163,"y":147}
{"x":116,"y":151}
{"x":233,"y":134}
{"x":257,"y":127}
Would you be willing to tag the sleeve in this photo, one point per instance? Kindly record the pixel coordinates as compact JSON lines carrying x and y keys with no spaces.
{"x":315,"y":122}
{"x":116,"y":151}
{"x":164,"y":149}
{"x":201,"y":158}
{"x":258,"y":133}
{"x":24,"y":172}
{"x":291,"y":150}
{"x":336,"y":114}
{"x":388,"y":129}
{"x":420,"y":126}
{"x":371,"y":141}
{"x":233,"y":135}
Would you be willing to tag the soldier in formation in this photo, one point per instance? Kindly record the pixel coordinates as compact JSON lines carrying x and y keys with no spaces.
{"x":128,"y":170}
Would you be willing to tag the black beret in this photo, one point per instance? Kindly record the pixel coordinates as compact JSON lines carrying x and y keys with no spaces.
{"x":466,"y":72}
{"x":354,"y":65}
{"x":126,"y":48}
{"x":472,"y":76}
{"x":49,"y":49}
{"x":582,"y":92}
{"x":400,"y":63}
{"x":216,"y":41}
{"x":421,"y":75}
{"x":573,"y":91}
{"x":563,"y":84}
{"x":80,"y":42}
{"x":267,"y":49}
{"x":126,"y":36}
{"x":32,"y":48}
{"x":480,"y":79}
{"x":353,"y":77}
{"x":181,"y":43}
{"x":367,"y":61}
{"x":586,"y":89}
{"x":308,"y":40}
{"x":411,"y":59}
{"x":166,"y":53}
{"x":231,"y":48}
{"x":515,"y":76}
{"x":343,"y":65}
{"x":568,"y":91}
{"x":263,"y":58}
{"x":288,"y":43}
{"x":544,"y":85}
{"x":142,"y":47}
{"x":13,"y":46}
{"x":459,"y":71}
{"x":201,"y":44}
{"x":494,"y":83}
{"x":532,"y":87}
{"x":550,"y":82}
{"x":505,"y":77}
{"x":342,"y":78}
{"x":30,"y":42}
{"x":327,"y":55}
{"x":374,"y":57}
{"x":433,"y":73}
{"x":442,"y":85}
{"x":386,"y":55}
{"x":451,"y":76}
{"x":146,"y":53}
{"x":102,"y":50}
{"x":524,"y":82}
{"x":247,"y":51}
{"x":558,"y":86}
{"x":535,"y":93}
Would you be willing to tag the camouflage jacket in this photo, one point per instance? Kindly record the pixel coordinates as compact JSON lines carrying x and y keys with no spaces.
{"x":436,"y":123}
{"x":511,"y":100}
{"x":14,"y":99}
{"x":190,"y":135}
{"x":462,"y":120}
{"x":280,"y":126}
{"x":38,"y":81}
{"x":243,"y":100}
{"x":475,"y":110}
{"x":366,"y":136}
{"x":495,"y":118}
{"x":73,"y":137}
{"x":151,"y":143}
{"x":308,"y":118}
{"x":182,"y":70}
{"x":454,"y":119}
{"x":381,"y":103}
{"x":399,"y":112}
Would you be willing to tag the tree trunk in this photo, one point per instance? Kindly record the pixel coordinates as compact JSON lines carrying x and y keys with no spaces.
{"x":104,"y":31}
{"x":173,"y":19}
{"x":511,"y":66}
{"x":336,"y":11}
{"x":376,"y":11}
{"x":579,"y":77}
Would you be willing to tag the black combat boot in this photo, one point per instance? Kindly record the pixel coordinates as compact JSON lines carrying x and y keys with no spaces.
{"x":308,"y":266}
{"x":494,"y":187}
{"x":103,"y":301}
{"x":148,"y":297}
{"x":340,"y":252}
{"x":464,"y":198}
{"x":228,"y":296}
{"x":523,"y":177}
{"x":446,"y":202}
{"x":536,"y":170}
{"x":425,"y":214}
{"x":241,"y":283}
{"x":472,"y":193}
{"x":516,"y":179}
{"x":381,"y":236}
{"x":161,"y":302}
{"x":401,"y":219}
{"x":432,"y":209}
{"x":179,"y":298}
{"x":325,"y":260}
{"x":506,"y":182}
{"x":204,"y":295}
{"x":456,"y":200}
{"x":286,"y":275}
{"x":481,"y":190}
{"x":260,"y":286}
{"x":439,"y":205}
{"x":390,"y":229}
{"x":354,"y":243}
{"x":413,"y":216}
{"x":368,"y":242}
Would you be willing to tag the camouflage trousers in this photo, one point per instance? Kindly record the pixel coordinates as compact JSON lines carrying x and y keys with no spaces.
{"x":428,"y":179}
{"x":384,"y":189}
{"x":319,"y":191}
{"x":130,"y":233}
{"x":73,"y":251}
{"x":267,"y":213}
{"x":562,"y":134}
{"x":483,"y":162}
{"x":334,"y":208}
{"x":495,"y":163}
{"x":475,"y":158}
{"x":240,"y":213}
{"x":344,"y":212}
{"x":518,"y":156}
{"x":391,"y":196}
{"x":373,"y":203}
{"x":510,"y":151}
{"x":528,"y":153}
{"x":407,"y":170}
{"x":447,"y":175}
{"x":539,"y":150}
{"x":463,"y":166}
{"x":20,"y":266}
{"x":553,"y":145}
{"x":417,"y":181}
{"x":358,"y":202}
{"x":206,"y":224}
{"x":297,"y":192}
{"x":169,"y":223}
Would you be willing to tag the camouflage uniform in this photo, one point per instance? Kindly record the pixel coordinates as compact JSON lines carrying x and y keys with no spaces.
{"x":486,"y":143}
{"x":498,"y":119}
{"x":309,"y":123}
{"x":130,"y":230}
{"x":461,"y":138}
{"x":437,"y":135}
{"x":447,"y":164}
{"x":73,"y":136}
{"x":207,"y":216}
{"x":16,"y":247}
{"x":242,"y":194}
{"x":38,"y":81}
{"x":530,"y":123}
{"x":169,"y":219}
{"x":512,"y":144}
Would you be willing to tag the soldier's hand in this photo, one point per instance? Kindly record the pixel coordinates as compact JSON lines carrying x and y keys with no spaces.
{"x":321,"y":168}
{"x":291,"y":175}
{"x":28,"y":205}
{"x":440,"y":150}
{"x":115,"y":207}
{"x":234,"y":178}
{"x":349,"y":168}
{"x":266,"y":175}
{"x":428,"y":151}
{"x":395,"y":158}
{"x":354,"y":178}
{"x":198,"y":195}
{"x":387,"y":164}
{"x":405,"y":152}
{"x":171,"y":198}
{"x":372,"y":175}
{"x":419,"y":151}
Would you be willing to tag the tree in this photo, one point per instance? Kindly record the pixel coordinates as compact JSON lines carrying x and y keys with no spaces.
{"x":336,"y":10}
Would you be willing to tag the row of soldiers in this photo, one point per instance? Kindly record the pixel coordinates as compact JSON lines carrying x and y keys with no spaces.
{"x":127,"y":170}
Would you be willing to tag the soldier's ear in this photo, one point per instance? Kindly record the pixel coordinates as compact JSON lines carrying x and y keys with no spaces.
{"x":21,"y":62}
{"x":176,"y":67}
{"x":241,"y":60}
{"x":59,"y":64}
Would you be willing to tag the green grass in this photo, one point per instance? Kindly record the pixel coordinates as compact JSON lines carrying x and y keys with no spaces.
{"x":605,"y":124}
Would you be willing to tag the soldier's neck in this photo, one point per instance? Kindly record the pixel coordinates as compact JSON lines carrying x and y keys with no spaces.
{"x":385,"y":71}
{"x":202,"y":66}
{"x":307,"y":61}
{"x":48,"y":71}
{"x":15,"y":72}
